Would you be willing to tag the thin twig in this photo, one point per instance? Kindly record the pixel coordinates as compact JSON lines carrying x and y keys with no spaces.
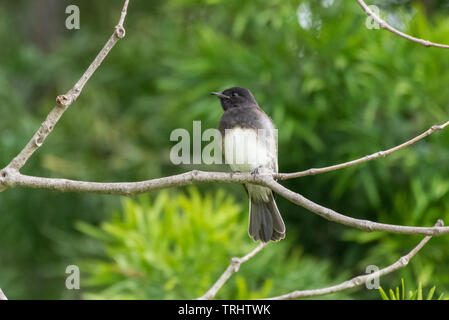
{"x":360,"y":280}
{"x":123,"y":15}
{"x":2,"y":295}
{"x":386,"y":26}
{"x":65,"y":100}
{"x":233,"y":267}
{"x":332,"y":215}
{"x":379,"y":154}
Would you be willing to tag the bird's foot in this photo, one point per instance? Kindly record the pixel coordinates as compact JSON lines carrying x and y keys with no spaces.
{"x":256,"y":171}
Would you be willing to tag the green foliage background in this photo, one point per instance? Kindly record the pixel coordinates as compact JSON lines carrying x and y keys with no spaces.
{"x":335,"y":89}
{"x":177,"y":245}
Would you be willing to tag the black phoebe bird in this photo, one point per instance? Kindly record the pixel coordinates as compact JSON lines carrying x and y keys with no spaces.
{"x":249,"y":144}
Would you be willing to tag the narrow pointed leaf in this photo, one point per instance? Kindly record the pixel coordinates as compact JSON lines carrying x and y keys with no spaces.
{"x":430,"y":294}
{"x":383,"y":294}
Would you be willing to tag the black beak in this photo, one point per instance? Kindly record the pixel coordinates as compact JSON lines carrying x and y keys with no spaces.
{"x":220,"y":95}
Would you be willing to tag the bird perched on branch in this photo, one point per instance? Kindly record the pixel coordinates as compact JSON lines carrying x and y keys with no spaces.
{"x":249,"y":145}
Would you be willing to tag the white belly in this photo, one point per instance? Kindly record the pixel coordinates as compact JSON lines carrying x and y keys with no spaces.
{"x":246,"y":149}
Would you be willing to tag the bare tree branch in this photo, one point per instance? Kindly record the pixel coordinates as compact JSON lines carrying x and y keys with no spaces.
{"x":364,"y":225}
{"x":65,"y":100}
{"x":376,"y":155}
{"x":234,"y":266}
{"x":62,"y":104}
{"x":386,"y":26}
{"x":13,"y":178}
{"x":2,"y":295}
{"x":360,"y":280}
{"x":10,"y":176}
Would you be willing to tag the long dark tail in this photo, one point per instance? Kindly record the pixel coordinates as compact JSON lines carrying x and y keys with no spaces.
{"x":265,"y":221}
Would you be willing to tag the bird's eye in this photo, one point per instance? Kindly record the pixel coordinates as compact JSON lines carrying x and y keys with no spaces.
{"x":235,"y":94}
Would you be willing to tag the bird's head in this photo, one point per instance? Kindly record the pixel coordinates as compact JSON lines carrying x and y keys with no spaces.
{"x":235,"y":97}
